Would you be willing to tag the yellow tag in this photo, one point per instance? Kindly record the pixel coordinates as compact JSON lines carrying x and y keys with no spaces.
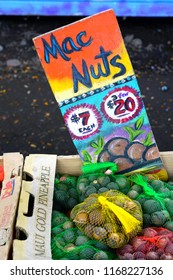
{"x":128,"y":222}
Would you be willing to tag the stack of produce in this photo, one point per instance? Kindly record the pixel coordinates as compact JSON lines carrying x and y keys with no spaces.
{"x":153,"y":244}
{"x":65,"y":193}
{"x":156,"y":199}
{"x":111,"y":218}
{"x":68,"y":242}
{"x":58,"y":219}
{"x":98,"y":183}
{"x":99,"y":215}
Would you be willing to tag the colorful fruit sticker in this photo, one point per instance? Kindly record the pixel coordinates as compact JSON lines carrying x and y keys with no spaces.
{"x":92,"y":79}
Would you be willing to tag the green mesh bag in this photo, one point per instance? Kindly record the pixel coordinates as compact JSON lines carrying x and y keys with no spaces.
{"x":65,"y":193}
{"x":110,"y":217}
{"x":68,"y":242}
{"x":93,"y":181}
{"x":72,"y":244}
{"x":99,"y":183}
{"x":156,"y":199}
{"x":58,"y":219}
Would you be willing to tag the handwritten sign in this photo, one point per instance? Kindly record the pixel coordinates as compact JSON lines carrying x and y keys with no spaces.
{"x":93,"y":81}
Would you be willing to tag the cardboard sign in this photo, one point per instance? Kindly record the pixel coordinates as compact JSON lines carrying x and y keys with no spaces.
{"x":93,"y":81}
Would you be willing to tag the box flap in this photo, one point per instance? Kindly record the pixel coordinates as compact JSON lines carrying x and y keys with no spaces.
{"x":33,"y":227}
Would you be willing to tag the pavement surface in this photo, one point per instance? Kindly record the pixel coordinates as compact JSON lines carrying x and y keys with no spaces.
{"x":30,"y":120}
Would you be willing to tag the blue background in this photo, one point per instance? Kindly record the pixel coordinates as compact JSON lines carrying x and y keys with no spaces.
{"x":154,"y":8}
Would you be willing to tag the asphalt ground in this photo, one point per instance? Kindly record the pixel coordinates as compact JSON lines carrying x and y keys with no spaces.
{"x":30,"y":120}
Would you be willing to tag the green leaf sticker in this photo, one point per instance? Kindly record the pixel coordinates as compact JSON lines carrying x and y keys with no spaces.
{"x":94,"y":145}
{"x":86,"y":156}
{"x":97,"y":152}
{"x":100,"y":142}
{"x":133,"y":134}
{"x":148,"y":139}
{"x":98,"y":146}
{"x":139,"y":123}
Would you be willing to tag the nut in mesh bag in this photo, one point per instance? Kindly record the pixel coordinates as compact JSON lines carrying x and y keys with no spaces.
{"x":155,"y":198}
{"x":154,"y":243}
{"x":111,"y":218}
{"x":68,"y":242}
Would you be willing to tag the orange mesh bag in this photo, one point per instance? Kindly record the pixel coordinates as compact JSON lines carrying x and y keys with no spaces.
{"x":111,"y":218}
{"x":153,"y":244}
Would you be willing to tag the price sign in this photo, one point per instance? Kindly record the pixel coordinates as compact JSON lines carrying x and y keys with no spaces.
{"x":121,"y":105}
{"x":83,"y":121}
{"x":93,"y":81}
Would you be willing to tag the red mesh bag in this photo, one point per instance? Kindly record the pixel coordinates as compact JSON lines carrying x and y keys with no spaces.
{"x":153,"y":244}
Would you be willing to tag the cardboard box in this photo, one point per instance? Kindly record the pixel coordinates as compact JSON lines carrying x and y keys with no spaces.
{"x":11,"y":186}
{"x":167,"y":159}
{"x":33,"y":235}
{"x":35,"y":206}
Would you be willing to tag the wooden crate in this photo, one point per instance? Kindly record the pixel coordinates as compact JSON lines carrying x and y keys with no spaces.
{"x":72,"y":164}
{"x":33,"y":242}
